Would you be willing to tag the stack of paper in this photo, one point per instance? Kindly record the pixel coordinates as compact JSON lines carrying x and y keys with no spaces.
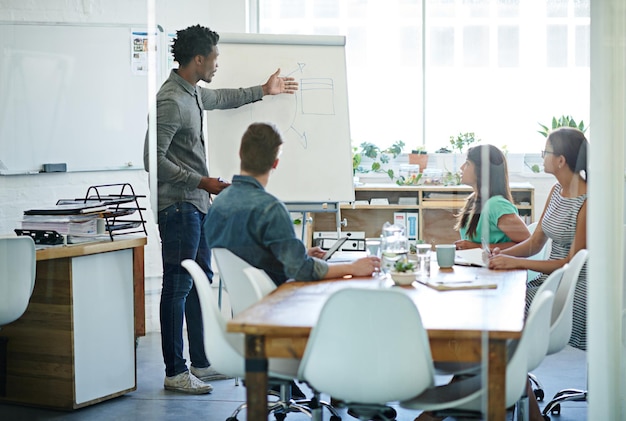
{"x":61,"y":224}
{"x":76,"y":218}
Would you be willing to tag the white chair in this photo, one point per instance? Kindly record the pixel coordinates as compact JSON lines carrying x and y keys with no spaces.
{"x":17,"y":280}
{"x":463,"y":398}
{"x":543,"y":254}
{"x":241,"y":292}
{"x":17,"y":276}
{"x":368,"y":348}
{"x":226,"y":350}
{"x":562,"y":322}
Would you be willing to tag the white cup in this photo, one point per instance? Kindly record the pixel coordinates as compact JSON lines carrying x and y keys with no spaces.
{"x":372,"y":246}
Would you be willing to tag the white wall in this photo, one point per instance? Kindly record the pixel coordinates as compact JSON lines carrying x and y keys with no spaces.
{"x":21,"y":192}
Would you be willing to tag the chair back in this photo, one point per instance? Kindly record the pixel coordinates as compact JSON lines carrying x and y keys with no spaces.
{"x":17,"y":276}
{"x":563,"y":309}
{"x":532,"y":346}
{"x":260,"y":280}
{"x":223,"y":349}
{"x":241,"y":292}
{"x":543,"y":254}
{"x":368,"y":346}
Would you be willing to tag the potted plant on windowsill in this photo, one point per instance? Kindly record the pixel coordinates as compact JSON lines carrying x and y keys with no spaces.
{"x":563,"y":121}
{"x":450,"y":162}
{"x":381,"y":159}
{"x":419,"y":157}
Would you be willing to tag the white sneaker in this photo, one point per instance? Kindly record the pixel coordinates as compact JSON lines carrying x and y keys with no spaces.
{"x":186,"y":382}
{"x":208,"y":374}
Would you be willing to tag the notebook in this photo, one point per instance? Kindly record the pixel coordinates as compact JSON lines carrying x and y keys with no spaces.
{"x":470,"y":257}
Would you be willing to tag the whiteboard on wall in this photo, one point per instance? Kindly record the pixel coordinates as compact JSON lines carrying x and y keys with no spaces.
{"x":316,"y":162}
{"x":70,"y":94}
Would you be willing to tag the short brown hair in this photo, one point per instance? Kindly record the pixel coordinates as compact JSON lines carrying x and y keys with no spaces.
{"x":260,"y":146}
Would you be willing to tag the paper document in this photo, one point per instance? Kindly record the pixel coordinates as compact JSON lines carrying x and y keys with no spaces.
{"x":470,"y":257}
{"x":458,"y":285}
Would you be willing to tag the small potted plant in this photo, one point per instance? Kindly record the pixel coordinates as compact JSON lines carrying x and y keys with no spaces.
{"x":403,"y":272}
{"x":563,"y":121}
{"x":452,"y":161}
{"x":419,"y":157}
{"x":462,"y":141}
{"x":380,"y":157}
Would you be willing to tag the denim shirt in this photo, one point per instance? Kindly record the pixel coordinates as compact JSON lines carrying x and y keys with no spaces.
{"x":256,"y":226}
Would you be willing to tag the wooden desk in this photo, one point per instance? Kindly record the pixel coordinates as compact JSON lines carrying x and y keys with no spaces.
{"x":456,"y":321}
{"x":75,"y":344}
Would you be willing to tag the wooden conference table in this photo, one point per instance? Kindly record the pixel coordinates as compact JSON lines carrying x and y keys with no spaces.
{"x":457,"y":323}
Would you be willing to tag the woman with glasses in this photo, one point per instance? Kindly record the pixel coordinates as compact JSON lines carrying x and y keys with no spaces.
{"x":564,"y":220}
{"x":489,"y":212}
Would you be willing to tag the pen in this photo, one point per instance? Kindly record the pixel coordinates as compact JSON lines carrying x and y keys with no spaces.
{"x":486,"y":249}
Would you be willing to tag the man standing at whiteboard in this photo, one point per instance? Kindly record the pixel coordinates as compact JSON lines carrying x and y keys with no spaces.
{"x":184,"y":189}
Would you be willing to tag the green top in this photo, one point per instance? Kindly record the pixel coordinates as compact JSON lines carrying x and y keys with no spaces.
{"x":493,"y":209}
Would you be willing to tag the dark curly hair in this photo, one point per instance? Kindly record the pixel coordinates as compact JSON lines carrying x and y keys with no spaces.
{"x":192,"y":41}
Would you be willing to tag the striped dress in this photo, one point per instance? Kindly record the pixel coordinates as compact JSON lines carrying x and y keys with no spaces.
{"x":559,"y":224}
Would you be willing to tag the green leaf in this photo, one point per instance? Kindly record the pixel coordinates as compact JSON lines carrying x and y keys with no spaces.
{"x":403,"y":266}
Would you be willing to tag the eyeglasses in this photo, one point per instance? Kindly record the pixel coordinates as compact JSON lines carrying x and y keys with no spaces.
{"x":544,"y":153}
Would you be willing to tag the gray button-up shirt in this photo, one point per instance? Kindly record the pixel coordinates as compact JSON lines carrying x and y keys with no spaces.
{"x":180,"y":144}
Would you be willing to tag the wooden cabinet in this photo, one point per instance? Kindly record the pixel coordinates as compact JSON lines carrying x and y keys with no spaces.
{"x":436,"y":207}
{"x":75,"y":344}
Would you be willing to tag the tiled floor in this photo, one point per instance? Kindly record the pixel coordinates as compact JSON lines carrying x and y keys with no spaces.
{"x":151,"y":402}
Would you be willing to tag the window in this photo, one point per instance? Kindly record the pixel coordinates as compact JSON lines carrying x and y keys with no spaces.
{"x":493,"y":67}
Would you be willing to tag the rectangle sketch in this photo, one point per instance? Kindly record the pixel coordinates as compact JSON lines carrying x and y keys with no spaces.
{"x":318,"y":96}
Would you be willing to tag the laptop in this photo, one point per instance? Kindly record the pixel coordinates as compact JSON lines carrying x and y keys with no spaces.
{"x":334,"y":248}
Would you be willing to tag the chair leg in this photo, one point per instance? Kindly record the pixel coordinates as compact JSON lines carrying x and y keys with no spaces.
{"x":573,"y":395}
{"x":317,"y":408}
{"x":537,"y":387}
{"x":521,"y":409}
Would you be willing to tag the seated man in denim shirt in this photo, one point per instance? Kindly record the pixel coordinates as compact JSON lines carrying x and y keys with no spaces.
{"x":257,"y":227}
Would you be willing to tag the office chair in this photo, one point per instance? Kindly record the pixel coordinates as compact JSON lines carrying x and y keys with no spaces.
{"x":226,"y":351}
{"x":463,"y":398}
{"x":565,"y":298}
{"x":241,"y":292}
{"x":361,"y":353}
{"x":562,"y":313}
{"x":17,"y":280}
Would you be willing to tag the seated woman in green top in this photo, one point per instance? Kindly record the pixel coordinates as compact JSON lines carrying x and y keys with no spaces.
{"x":490,"y":204}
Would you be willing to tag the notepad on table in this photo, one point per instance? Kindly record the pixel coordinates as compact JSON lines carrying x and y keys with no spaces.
{"x":470,"y":257}
{"x":458,"y":285}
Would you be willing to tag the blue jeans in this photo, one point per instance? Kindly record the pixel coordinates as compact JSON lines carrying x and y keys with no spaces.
{"x":182,"y":237}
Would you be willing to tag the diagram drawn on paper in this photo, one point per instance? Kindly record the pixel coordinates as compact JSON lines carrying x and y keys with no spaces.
{"x":317,"y":97}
